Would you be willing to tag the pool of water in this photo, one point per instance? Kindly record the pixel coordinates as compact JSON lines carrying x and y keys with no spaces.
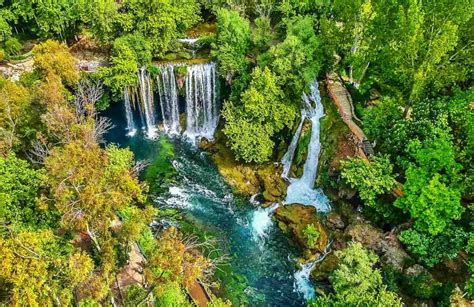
{"x":262,"y":267}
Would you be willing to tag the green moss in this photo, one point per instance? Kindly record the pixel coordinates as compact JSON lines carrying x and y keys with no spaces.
{"x":161,"y":172}
{"x":294,"y":219}
{"x":334,"y":144}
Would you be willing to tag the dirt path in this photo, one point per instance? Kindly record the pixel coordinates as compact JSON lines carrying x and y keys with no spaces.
{"x":343,"y":101}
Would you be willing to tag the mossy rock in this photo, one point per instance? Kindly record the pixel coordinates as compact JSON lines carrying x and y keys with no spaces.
{"x":241,"y":177}
{"x":323,"y":269}
{"x":293,"y":219}
{"x":274,"y":188}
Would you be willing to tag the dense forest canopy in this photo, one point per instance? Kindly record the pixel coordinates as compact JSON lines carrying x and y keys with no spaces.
{"x":74,"y":208}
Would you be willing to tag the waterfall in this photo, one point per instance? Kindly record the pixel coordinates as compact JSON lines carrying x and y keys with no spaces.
{"x":131,"y":128}
{"x":146,"y":94}
{"x":302,"y":282}
{"x":301,"y":190}
{"x":202,"y":109}
{"x":289,"y":155}
{"x":262,"y":221}
{"x":168,"y":94}
{"x":202,"y":114}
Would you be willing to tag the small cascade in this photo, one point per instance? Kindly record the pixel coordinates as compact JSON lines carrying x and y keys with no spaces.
{"x":131,"y":128}
{"x":146,"y":95}
{"x":301,"y":190}
{"x":289,"y":155}
{"x":302,"y":283}
{"x":202,"y":112}
{"x":262,"y":221}
{"x":168,"y":94}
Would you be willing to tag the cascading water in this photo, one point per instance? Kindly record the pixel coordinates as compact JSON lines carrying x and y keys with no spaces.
{"x":262,"y":221}
{"x":202,"y":112}
{"x":289,"y":155}
{"x":301,"y":190}
{"x":131,"y":128}
{"x":168,"y":94}
{"x":302,"y":282}
{"x":146,"y":93}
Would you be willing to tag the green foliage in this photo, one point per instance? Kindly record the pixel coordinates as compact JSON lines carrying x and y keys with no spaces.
{"x":232,"y":43}
{"x":356,"y":283}
{"x":130,"y":52}
{"x":432,"y":53}
{"x":312,"y":235}
{"x":429,"y":249}
{"x":431,"y":194}
{"x":172,"y":295}
{"x":369,"y":179}
{"x":54,"y":58}
{"x":48,"y":19}
{"x":296,"y":61}
{"x":20,"y":186}
{"x":41,"y":268}
{"x":161,"y":172}
{"x":12,"y":47}
{"x":469,"y":287}
{"x":262,"y":113}
{"x":262,"y":35}
{"x":158,"y":21}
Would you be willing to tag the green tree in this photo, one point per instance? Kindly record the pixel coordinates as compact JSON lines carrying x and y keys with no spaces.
{"x":432,"y":195}
{"x":263,"y":112}
{"x":263,"y":33}
{"x":17,"y":116}
{"x":370,"y":179}
{"x":89,"y":185}
{"x":232,"y":43}
{"x":48,"y":19}
{"x":129,"y":53}
{"x":20,"y":187}
{"x":297,"y":60}
{"x":356,"y":282}
{"x":159,"y":21}
{"x":431,"y":250}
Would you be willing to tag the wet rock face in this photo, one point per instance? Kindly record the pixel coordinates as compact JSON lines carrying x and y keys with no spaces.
{"x":293,"y":219}
{"x":273,"y":186}
{"x":322,"y":270}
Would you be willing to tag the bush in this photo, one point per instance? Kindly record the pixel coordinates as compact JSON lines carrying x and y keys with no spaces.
{"x":12,"y":47}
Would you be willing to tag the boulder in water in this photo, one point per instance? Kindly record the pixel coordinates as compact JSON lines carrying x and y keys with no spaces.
{"x":293,"y":219}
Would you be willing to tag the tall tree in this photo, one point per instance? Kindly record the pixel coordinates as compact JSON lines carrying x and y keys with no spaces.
{"x":263,"y":112}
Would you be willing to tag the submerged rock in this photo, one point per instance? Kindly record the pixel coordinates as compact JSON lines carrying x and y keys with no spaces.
{"x":293,"y":219}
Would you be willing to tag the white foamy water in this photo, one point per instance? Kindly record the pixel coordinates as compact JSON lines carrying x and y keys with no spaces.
{"x":301,"y":190}
{"x":302,"y":283}
{"x":262,"y":221}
